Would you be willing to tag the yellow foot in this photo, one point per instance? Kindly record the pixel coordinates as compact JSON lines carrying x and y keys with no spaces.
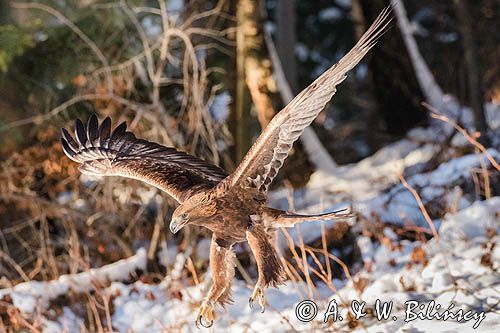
{"x":258,"y":292}
{"x":205,"y":316}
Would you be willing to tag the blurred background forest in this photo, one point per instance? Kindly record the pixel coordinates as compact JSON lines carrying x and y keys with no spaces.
{"x":205,"y":76}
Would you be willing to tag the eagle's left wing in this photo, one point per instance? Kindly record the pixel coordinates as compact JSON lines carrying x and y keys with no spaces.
{"x":262,"y":162}
{"x":100,"y":151}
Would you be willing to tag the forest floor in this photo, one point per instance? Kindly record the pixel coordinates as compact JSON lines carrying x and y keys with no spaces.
{"x":424,"y":240}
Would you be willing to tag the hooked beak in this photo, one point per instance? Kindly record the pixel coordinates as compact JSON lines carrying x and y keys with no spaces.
{"x":177,"y":223}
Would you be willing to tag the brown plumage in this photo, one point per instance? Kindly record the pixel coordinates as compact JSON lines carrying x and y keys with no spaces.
{"x":232,"y":206}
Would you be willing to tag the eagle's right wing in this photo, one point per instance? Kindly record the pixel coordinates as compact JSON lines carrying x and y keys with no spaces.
{"x":103,"y":152}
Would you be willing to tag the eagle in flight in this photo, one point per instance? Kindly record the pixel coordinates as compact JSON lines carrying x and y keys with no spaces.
{"x":232,"y":206}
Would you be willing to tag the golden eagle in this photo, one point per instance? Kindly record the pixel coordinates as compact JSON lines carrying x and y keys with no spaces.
{"x":232,"y":206}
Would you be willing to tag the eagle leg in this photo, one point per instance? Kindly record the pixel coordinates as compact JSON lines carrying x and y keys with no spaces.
{"x":222,"y":266}
{"x":268,"y":265}
{"x":225,"y":297}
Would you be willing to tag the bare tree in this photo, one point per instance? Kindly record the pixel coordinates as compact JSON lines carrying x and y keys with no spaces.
{"x":471,"y":64}
{"x":391,"y":78}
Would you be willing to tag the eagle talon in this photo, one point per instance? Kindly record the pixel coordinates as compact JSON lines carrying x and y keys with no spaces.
{"x":258,"y":292}
{"x":206,"y":312}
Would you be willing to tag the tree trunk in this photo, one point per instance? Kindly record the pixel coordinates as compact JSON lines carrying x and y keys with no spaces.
{"x":231,"y":82}
{"x":358,"y":19}
{"x":285,"y":40}
{"x":258,"y":67}
{"x":471,"y":64}
{"x":244,"y":36}
{"x":374,"y":133}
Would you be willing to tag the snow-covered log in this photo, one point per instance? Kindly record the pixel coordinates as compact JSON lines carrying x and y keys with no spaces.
{"x":28,"y":295}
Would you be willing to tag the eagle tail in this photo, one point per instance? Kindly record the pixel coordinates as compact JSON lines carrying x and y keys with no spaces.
{"x":289,"y":220}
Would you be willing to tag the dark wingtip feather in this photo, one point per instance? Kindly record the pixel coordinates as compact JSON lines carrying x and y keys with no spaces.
{"x":119,"y":131}
{"x":93,"y":129}
{"x":105,"y":130}
{"x":122,"y":128}
{"x":68,"y":150}
{"x":80,"y":132}
{"x":69,"y":139}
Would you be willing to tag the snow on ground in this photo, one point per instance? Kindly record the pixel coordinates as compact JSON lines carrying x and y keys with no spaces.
{"x":395,"y":275}
{"x":440,"y":185}
{"x":458,"y":271}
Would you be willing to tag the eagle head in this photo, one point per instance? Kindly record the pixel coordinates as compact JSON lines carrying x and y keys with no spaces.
{"x":197,"y":208}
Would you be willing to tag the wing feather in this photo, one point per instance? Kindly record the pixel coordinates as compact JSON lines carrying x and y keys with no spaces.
{"x":103,"y":152}
{"x":80,"y":133}
{"x":93,"y":131}
{"x":264,"y":159}
{"x":104,"y":131}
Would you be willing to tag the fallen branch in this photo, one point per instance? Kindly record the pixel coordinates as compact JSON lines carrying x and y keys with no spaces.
{"x":436,"y":115}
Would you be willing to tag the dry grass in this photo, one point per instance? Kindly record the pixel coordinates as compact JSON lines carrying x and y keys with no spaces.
{"x":51,"y":223}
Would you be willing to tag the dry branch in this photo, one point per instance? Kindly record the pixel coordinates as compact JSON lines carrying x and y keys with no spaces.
{"x":436,"y":115}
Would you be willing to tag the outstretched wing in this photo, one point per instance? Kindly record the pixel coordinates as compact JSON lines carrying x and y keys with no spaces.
{"x":262,"y":162}
{"x":103,"y":152}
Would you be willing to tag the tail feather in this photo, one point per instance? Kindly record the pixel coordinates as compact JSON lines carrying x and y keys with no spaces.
{"x":289,"y":220}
